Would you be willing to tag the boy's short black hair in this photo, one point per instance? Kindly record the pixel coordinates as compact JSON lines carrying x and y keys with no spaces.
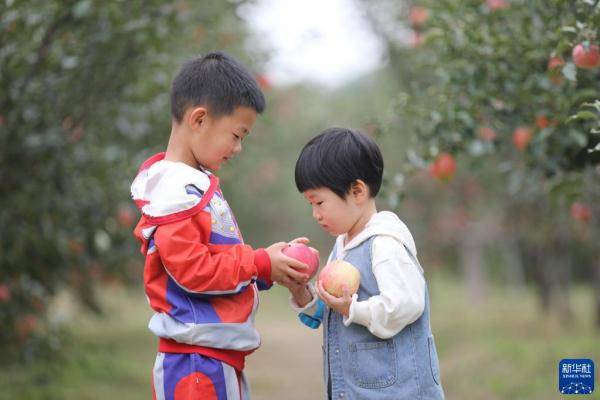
{"x":336,"y":158}
{"x":218,"y":81}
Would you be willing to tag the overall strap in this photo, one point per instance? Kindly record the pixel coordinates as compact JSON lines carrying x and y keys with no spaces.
{"x":414,"y":258}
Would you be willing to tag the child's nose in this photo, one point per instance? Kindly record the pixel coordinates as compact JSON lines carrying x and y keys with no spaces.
{"x":316,"y":215}
{"x":238,"y":147}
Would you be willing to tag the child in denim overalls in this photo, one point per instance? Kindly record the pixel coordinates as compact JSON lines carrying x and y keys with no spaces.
{"x":377,"y":343}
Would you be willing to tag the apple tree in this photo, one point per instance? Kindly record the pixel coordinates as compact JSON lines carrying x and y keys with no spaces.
{"x":512,"y":84}
{"x":83,"y":99}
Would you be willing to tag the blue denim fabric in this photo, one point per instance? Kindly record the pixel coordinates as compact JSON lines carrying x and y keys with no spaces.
{"x":359,"y":365}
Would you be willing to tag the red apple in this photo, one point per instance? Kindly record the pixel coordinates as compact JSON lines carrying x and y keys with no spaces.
{"x":487,"y":133}
{"x":542,"y":121}
{"x":554,"y":66}
{"x":263,"y":81}
{"x":126,"y":217}
{"x":581,"y":212}
{"x":444,"y":167}
{"x":521,"y":137}
{"x":4,"y":293}
{"x":76,"y":134}
{"x":587,"y":57}
{"x":76,"y":246}
{"x":555,"y":62}
{"x":336,"y":275}
{"x":26,"y":325}
{"x":304,"y":254}
{"x":418,"y":15}
{"x":497,"y":4}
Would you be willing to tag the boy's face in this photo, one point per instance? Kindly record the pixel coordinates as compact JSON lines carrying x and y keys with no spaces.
{"x":217,"y":140}
{"x":335,"y":215}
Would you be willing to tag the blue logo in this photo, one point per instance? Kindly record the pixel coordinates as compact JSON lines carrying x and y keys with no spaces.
{"x":576,"y":376}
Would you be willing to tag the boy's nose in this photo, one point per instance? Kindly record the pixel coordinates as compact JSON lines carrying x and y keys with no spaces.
{"x":238,"y":147}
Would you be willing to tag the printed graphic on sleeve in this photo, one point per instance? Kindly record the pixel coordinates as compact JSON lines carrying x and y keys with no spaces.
{"x":224,"y":228}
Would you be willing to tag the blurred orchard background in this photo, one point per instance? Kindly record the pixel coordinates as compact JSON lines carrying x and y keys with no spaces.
{"x":488,"y":115}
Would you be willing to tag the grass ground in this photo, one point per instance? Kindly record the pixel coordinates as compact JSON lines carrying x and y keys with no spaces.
{"x":500,"y":349}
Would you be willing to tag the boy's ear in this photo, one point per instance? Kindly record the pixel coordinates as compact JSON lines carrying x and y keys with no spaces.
{"x":196,"y":117}
{"x":359,"y":190}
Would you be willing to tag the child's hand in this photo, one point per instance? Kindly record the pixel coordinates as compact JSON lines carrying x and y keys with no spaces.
{"x":337,"y":304}
{"x":302,"y":239}
{"x":286,"y":270}
{"x":300,"y":293}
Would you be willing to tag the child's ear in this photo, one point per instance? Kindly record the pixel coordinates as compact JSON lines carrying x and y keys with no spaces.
{"x":359,"y":190}
{"x":196,"y":117}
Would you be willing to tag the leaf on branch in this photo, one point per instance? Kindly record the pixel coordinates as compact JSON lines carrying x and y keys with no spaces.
{"x":571,"y":29}
{"x":570,"y":71}
{"x":595,"y":105}
{"x":416,"y":160}
{"x":583,"y":116}
{"x":82,"y":9}
{"x":595,"y":149}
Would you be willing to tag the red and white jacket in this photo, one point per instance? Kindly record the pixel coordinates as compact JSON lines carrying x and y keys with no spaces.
{"x":200,"y":278}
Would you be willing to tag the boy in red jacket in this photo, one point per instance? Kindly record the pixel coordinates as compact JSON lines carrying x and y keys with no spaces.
{"x":200,"y":278}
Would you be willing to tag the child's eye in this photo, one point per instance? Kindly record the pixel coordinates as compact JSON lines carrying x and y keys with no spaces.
{"x":237,"y":137}
{"x":319,"y":203}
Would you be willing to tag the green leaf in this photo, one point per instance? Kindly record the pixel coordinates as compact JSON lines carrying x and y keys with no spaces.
{"x":595,"y":105}
{"x":595,"y":149}
{"x":82,"y":9}
{"x":582,"y":115}
{"x":578,"y":137}
{"x":570,"y":29}
{"x":570,"y":71}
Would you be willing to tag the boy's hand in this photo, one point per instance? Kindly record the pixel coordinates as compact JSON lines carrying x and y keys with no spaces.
{"x":300,"y":293}
{"x":337,"y":304}
{"x":286,"y":270}
{"x":302,"y":239}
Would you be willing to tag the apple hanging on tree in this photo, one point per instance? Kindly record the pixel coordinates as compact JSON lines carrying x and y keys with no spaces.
{"x":581,"y":212}
{"x":586,"y":56}
{"x":418,"y":15}
{"x":443,"y":168}
{"x":521,"y":137}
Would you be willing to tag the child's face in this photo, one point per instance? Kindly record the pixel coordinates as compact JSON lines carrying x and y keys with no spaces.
{"x":217,"y":140}
{"x":335,"y":215}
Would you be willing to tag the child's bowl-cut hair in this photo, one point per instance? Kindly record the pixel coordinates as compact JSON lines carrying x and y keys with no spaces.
{"x":219,"y":82}
{"x":336,"y":158}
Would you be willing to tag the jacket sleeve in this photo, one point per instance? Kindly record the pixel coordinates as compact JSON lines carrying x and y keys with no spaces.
{"x":182,"y":246}
{"x":312,"y":313}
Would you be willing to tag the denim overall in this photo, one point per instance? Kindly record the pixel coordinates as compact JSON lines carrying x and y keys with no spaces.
{"x":359,"y":365}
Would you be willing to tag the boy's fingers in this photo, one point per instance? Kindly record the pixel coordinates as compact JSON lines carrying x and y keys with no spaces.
{"x":297,"y":276}
{"x":280,"y":245}
{"x":302,"y":239}
{"x":283,"y":282}
{"x":292,"y":262}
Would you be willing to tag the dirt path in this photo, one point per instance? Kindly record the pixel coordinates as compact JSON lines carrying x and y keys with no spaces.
{"x":288,"y":364}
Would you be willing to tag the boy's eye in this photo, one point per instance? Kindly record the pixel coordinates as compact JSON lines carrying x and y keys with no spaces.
{"x":319,"y":203}
{"x":237,"y":137}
